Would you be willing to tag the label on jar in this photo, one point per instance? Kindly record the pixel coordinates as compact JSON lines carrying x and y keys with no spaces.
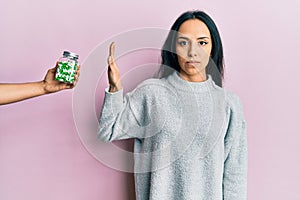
{"x":66,"y":71}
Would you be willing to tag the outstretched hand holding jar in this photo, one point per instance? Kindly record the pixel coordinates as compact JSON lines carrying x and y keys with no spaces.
{"x":14,"y":92}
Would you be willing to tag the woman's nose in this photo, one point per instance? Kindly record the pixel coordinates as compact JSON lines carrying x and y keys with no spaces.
{"x":192,"y":50}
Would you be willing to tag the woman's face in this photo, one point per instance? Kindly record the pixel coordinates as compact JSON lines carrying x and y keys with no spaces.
{"x":193,"y":48}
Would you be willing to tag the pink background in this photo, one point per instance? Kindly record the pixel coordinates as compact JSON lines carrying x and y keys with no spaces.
{"x":41,"y":155}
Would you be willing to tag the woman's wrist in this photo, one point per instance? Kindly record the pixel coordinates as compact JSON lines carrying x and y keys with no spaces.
{"x":115,"y":88}
{"x":43,"y":87}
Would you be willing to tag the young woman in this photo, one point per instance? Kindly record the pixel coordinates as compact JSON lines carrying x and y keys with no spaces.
{"x":190,"y":133}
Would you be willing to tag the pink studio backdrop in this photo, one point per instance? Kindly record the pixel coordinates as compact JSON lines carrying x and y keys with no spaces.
{"x":41,"y":155}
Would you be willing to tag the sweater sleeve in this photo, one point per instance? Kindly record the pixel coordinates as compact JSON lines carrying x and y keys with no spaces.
{"x":118,"y":120}
{"x":235,"y":163}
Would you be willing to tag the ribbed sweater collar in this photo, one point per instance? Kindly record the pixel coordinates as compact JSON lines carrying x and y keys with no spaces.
{"x":187,"y":86}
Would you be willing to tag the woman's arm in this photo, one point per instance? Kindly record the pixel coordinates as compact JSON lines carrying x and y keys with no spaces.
{"x":118,"y":120}
{"x":14,"y":92}
{"x":235,"y":164}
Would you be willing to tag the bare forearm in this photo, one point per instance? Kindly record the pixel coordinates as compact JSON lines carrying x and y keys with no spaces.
{"x":10,"y":93}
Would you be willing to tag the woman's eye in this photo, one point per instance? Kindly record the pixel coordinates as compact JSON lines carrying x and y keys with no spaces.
{"x":182,"y":43}
{"x":202,"y":43}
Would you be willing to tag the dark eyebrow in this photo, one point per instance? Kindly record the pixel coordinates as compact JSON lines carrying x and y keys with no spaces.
{"x":199,"y":38}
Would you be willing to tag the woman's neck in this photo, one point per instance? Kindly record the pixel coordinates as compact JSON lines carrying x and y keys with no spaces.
{"x":198,"y":77}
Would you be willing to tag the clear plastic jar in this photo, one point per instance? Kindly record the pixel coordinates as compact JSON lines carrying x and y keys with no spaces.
{"x":67,"y":66}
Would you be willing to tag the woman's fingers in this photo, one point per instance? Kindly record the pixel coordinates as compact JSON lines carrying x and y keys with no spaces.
{"x":112,"y":49}
{"x":111,"y":57}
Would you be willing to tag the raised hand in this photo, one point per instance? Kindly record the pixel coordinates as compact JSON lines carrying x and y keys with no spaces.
{"x":113,"y":71}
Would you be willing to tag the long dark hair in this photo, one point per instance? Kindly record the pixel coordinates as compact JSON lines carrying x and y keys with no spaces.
{"x":215,"y":66}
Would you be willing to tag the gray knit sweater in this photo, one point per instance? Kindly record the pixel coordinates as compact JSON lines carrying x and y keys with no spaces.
{"x":190,"y":138}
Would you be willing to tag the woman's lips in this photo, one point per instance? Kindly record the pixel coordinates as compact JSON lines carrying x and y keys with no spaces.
{"x":193,"y":63}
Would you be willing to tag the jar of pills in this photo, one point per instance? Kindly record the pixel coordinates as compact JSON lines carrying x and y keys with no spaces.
{"x":66,"y":68}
